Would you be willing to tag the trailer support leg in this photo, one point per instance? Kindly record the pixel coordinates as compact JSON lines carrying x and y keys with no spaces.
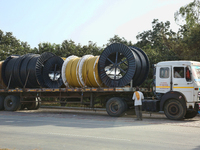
{"x":91,"y":101}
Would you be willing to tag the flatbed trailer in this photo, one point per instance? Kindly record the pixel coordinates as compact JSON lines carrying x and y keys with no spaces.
{"x":32,"y":98}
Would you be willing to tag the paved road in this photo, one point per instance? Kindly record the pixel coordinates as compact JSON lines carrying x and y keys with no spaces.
{"x":52,"y":129}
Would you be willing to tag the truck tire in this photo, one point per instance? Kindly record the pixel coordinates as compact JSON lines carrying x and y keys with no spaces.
{"x":125,"y":105}
{"x":2,"y":102}
{"x":33,"y":105}
{"x":12,"y":103}
{"x":115,"y":107}
{"x":192,"y":113}
{"x":174,"y":109}
{"x":38,"y":101}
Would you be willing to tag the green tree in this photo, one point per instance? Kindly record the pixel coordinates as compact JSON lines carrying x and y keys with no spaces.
{"x":69,"y":48}
{"x":188,"y":34}
{"x":189,"y":14}
{"x":190,"y":44}
{"x":161,"y":39}
{"x":46,"y":47}
{"x":93,"y":49}
{"x":10,"y":45}
{"x":117,"y":39}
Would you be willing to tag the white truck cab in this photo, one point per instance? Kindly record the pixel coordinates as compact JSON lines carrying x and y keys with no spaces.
{"x":177,"y":86}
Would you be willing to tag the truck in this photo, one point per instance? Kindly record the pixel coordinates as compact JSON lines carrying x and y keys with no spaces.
{"x":176,"y":88}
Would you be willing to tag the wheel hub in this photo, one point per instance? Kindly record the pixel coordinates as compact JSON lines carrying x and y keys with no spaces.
{"x":173,"y":109}
{"x":9,"y":103}
{"x":114,"y":107}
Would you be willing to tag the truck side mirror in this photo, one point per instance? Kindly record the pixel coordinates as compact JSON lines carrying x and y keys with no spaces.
{"x":188,"y":75}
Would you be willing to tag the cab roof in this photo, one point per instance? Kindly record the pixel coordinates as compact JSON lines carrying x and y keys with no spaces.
{"x":178,"y":62}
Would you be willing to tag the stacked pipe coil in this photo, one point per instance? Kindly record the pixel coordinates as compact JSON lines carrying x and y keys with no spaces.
{"x":2,"y":84}
{"x":32,"y":71}
{"x":81,"y":71}
{"x":27,"y":71}
{"x":115,"y":67}
{"x":52,"y":72}
{"x":119,"y":64}
{"x":7,"y":70}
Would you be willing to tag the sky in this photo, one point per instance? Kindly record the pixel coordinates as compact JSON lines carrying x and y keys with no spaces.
{"x":53,"y":21}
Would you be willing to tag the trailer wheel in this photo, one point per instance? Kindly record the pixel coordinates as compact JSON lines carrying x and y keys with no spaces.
{"x":33,"y":105}
{"x":174,"y":109}
{"x":12,"y":103}
{"x":115,"y":106}
{"x":192,"y":113}
{"x":2,"y":102}
{"x":38,"y":101}
{"x":125,"y":105}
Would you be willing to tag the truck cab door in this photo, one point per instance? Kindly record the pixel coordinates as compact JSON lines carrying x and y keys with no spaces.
{"x":181,"y":81}
{"x":163,"y":79}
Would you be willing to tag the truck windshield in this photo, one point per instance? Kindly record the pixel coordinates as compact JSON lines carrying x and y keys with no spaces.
{"x":196,"y":72}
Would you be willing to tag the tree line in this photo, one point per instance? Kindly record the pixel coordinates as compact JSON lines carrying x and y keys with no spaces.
{"x":160,"y":43}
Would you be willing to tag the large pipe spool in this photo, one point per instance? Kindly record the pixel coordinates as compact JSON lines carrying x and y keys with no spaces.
{"x":64,"y":70}
{"x":52,"y":72}
{"x":81,"y":71}
{"x":32,"y":71}
{"x":144,"y":67}
{"x":2,"y":84}
{"x":39,"y":66}
{"x":119,"y":64}
{"x":30,"y":78}
{"x":7,"y":70}
{"x":90,"y":72}
{"x":70,"y":72}
{"x":115,"y":67}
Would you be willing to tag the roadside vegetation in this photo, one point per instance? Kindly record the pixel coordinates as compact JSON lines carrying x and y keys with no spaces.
{"x":160,"y":43}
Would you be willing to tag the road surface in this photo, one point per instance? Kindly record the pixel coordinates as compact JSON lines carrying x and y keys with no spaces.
{"x":57,"y":129}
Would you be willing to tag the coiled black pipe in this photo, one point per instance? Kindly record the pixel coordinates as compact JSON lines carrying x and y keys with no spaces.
{"x":144,"y":69}
{"x":4,"y":68}
{"x":16,"y":71}
{"x":52,"y":72}
{"x":32,"y":81}
{"x":24,"y":73}
{"x":119,"y":64}
{"x":40,"y":65}
{"x":7,"y":70}
{"x":32,"y":71}
{"x":110,"y":65}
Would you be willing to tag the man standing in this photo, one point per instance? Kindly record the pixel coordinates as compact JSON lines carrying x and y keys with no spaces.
{"x":138,"y":96}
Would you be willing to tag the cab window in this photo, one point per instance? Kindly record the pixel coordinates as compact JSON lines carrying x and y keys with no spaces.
{"x":178,"y":72}
{"x":164,"y":72}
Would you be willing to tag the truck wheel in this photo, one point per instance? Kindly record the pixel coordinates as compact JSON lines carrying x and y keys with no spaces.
{"x":2,"y":102}
{"x":12,"y":103}
{"x":125,"y":105}
{"x":115,"y":106}
{"x":38,"y":103}
{"x":174,"y":109}
{"x":33,"y":105}
{"x":192,"y":113}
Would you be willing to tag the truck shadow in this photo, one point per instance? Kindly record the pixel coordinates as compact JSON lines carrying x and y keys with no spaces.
{"x":196,"y":148}
{"x":86,"y":119}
